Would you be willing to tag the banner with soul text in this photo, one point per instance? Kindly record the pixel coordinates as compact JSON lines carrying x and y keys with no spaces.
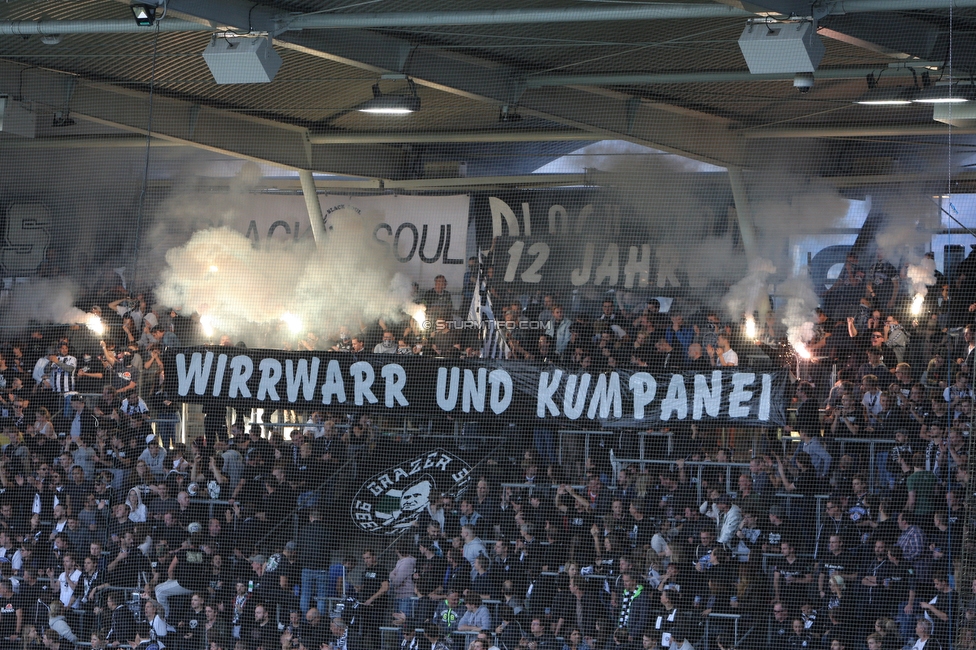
{"x":471,"y":389}
{"x":420,"y":237}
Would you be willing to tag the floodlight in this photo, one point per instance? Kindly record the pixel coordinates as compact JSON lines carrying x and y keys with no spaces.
{"x":145,"y":14}
{"x":382,"y":104}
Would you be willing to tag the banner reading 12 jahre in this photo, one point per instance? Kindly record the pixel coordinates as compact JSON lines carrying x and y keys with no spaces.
{"x":472,"y":388}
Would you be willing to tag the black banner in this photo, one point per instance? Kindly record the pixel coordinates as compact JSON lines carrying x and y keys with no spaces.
{"x":558,"y":240}
{"x":471,"y":389}
{"x":391,"y":500}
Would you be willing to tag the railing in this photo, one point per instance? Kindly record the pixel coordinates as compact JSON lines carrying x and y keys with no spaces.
{"x":390,"y":635}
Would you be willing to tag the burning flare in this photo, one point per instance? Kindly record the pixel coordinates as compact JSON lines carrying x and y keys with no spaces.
{"x":418,"y":313}
{"x":95,"y":324}
{"x":802,"y":350}
{"x":917,"y":304}
{"x":207,"y":324}
{"x":293,"y":322}
{"x":750,"y":327}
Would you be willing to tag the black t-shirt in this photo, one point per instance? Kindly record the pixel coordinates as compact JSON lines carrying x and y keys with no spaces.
{"x":127,"y":571}
{"x":373,"y":579}
{"x":193,"y":569}
{"x":194,"y":624}
{"x":842,"y":563}
{"x":8,"y":615}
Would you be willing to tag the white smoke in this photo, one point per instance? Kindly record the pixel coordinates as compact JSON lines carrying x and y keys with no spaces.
{"x":42,"y":301}
{"x":749,"y":294}
{"x":798,"y":315}
{"x":921,"y":275}
{"x":246,"y":291}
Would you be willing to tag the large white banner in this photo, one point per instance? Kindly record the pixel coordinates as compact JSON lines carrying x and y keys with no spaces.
{"x":423,"y":236}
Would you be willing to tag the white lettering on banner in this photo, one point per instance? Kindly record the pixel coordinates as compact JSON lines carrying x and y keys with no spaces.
{"x":302,"y":375}
{"x":765,"y":397}
{"x":599,"y":396}
{"x":396,"y":379}
{"x":636,"y":270}
{"x":606,"y":395}
{"x":333,"y":385}
{"x":581,"y":276}
{"x":739,"y":395}
{"x":676,"y":401}
{"x":643,"y":386}
{"x":709,"y":399}
{"x":473,"y":393}
{"x":609,"y":268}
{"x":501,"y":209}
{"x":546,"y":391}
{"x":363,"y":376}
{"x":667,"y":267}
{"x":638,"y":266}
{"x":556,"y":211}
{"x":514,"y":257}
{"x":241,"y":368}
{"x":447,"y":395}
{"x":270,"y":374}
{"x":198,"y":373}
{"x":573,"y":409}
{"x":499,"y":379}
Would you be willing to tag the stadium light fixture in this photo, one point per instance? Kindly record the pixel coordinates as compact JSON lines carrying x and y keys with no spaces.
{"x":145,"y":14}
{"x":382,"y":104}
{"x":945,"y":94}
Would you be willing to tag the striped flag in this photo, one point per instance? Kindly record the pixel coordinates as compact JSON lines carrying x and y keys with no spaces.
{"x":493,"y":342}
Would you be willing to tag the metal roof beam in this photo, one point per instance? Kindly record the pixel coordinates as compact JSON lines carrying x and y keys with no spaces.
{"x":933,"y":129}
{"x":428,"y":137}
{"x":183,"y":122}
{"x":650,"y":79}
{"x":603,"y":113}
{"x":262,"y":18}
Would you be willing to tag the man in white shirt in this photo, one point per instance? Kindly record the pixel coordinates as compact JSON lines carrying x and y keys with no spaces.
{"x":68,"y":581}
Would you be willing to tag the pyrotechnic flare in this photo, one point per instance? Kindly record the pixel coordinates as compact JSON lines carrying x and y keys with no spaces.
{"x":207,"y":324}
{"x":917,"y":304}
{"x":95,"y":324}
{"x":802,"y":350}
{"x":418,"y":313}
{"x":750,"y":326}
{"x":293,"y":322}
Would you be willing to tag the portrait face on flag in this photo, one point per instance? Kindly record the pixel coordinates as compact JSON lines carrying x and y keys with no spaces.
{"x":391,"y":501}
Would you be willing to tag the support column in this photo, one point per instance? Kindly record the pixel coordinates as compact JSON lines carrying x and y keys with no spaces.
{"x":313,"y":206}
{"x":743,"y":211}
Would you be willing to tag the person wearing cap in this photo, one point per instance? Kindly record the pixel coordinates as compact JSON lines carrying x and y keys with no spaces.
{"x":188,"y":572}
{"x":154,"y":456}
{"x":79,"y":420}
{"x":261,"y":583}
{"x":730,"y":516}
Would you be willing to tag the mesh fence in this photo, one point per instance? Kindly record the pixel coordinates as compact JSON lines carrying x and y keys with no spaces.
{"x":550,"y":328}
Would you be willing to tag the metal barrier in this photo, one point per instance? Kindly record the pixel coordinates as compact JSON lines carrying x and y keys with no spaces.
{"x":641,"y":436}
{"x":872,"y":454}
{"x":735,"y":618}
{"x":697,"y":466}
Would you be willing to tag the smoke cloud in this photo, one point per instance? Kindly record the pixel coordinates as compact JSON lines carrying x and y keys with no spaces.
{"x":42,"y":301}
{"x":245,"y":291}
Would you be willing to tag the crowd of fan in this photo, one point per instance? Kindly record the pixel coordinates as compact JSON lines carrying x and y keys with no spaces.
{"x":113,"y":532}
